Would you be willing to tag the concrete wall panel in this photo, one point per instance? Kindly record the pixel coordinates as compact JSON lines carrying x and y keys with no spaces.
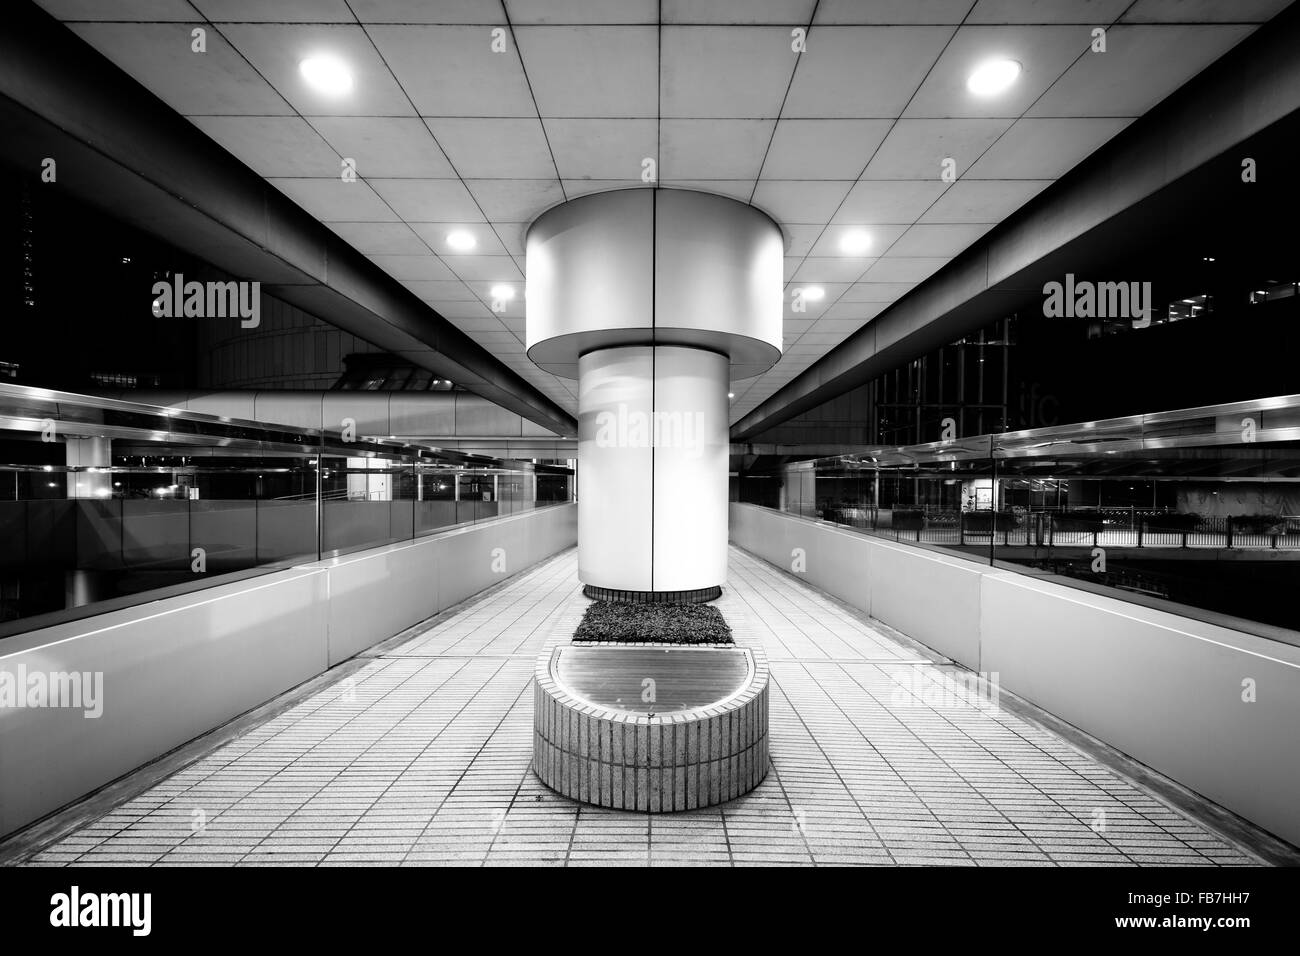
{"x":1164,"y":689}
{"x":176,"y":668}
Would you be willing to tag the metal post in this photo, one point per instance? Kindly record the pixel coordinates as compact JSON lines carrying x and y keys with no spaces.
{"x":319,"y":490}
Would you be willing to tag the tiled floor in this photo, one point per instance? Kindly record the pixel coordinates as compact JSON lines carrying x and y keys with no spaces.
{"x":422,"y":757}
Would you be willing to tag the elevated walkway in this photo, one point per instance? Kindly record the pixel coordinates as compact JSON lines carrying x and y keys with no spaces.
{"x":418,"y":752}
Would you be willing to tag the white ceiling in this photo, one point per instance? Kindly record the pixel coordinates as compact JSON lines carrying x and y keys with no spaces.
{"x":851,"y":133}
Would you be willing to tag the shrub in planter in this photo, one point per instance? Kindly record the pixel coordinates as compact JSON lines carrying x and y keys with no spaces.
{"x":622,"y":623}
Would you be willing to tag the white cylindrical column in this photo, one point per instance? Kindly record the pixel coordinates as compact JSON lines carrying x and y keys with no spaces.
{"x":652,"y":447}
{"x":655,"y":300}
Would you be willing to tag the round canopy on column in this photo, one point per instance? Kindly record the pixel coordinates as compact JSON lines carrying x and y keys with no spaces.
{"x":654,"y":267}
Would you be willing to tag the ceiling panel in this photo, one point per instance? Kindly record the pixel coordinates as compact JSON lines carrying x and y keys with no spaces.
{"x":878,"y":291}
{"x":592,"y":70}
{"x":917,"y":148}
{"x":1090,"y":12}
{"x":422,"y":267}
{"x":276,"y":50}
{"x":812,"y":309}
{"x":273,"y":145}
{"x":727,"y":72}
{"x":301,"y":11}
{"x":449,"y":135}
{"x":1141,"y":66}
{"x":892,"y":11}
{"x":800,"y":238}
{"x":333,"y":200}
{"x":868,"y":72}
{"x":573,"y":188}
{"x":712,"y":148}
{"x":889,"y":202}
{"x":515,"y":200}
{"x":1043,"y":52}
{"x":381,"y":238}
{"x":429,"y":200}
{"x":838,"y":269}
{"x":452,"y":71}
{"x":158,"y":55}
{"x":422,"y":11}
{"x":434,"y":236}
{"x":801,"y":201}
{"x":447,"y":290}
{"x":513,"y":234}
{"x":468,"y":315}
{"x":583,"y":11}
{"x":901,"y":269}
{"x":145,"y":10}
{"x":740,"y":189}
{"x":880,"y":237}
{"x":823,"y":149}
{"x":493,"y":268}
{"x":947,"y":239}
{"x":499,"y":148}
{"x":848,"y":315}
{"x":602,"y":148}
{"x":738,"y":11}
{"x":1044,"y":148}
{"x":1201,"y":11}
{"x":991,"y":200}
{"x":386,"y":146}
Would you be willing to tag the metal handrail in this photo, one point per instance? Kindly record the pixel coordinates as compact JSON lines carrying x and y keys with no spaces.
{"x":1202,"y":427}
{"x":24,"y":408}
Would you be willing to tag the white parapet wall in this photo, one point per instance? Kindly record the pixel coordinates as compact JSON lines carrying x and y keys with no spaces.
{"x":165,"y":672}
{"x":1216,"y":709}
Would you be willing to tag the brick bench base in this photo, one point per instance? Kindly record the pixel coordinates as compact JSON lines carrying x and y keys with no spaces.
{"x":590,"y":745}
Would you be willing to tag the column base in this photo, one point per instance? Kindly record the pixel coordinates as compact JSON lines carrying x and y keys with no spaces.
{"x":697,"y":596}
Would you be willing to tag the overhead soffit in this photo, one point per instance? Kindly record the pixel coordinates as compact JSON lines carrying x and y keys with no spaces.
{"x":447,"y":134}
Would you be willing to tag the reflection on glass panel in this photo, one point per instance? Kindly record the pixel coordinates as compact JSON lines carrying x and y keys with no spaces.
{"x":1198,"y":508}
{"x":106,"y":503}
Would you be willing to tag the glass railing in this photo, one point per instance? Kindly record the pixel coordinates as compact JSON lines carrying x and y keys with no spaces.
{"x":1190,"y":510}
{"x":105,"y":503}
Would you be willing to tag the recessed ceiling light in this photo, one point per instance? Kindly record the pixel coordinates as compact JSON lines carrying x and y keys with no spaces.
{"x":855,"y":242}
{"x":731,"y":395}
{"x":461,"y":241}
{"x":992,"y":77}
{"x":812,"y":293}
{"x":327,"y":74}
{"x":503,"y":292}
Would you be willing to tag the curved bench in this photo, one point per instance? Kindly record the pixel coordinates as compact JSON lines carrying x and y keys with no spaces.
{"x":655,"y":728}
